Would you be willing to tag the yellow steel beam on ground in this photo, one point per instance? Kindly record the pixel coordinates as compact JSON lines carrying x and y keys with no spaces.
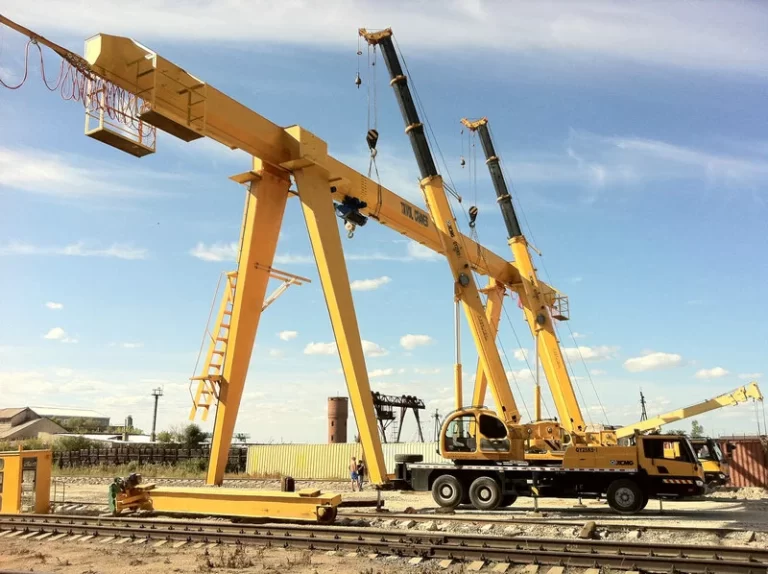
{"x":187,"y":107}
{"x":243,"y":502}
{"x":493,"y":305}
{"x":317,"y":205}
{"x":264,"y":210}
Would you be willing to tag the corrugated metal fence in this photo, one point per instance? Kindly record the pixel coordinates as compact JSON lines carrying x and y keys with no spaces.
{"x":749,"y":462}
{"x":302,"y":461}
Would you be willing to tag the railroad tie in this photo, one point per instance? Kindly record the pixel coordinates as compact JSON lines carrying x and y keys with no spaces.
{"x":87,"y":538}
{"x":556,"y":570}
{"x":416,"y":560}
{"x":44,"y":535}
{"x":476,"y":565}
{"x":179,"y":544}
{"x":501,"y":567}
{"x":531,"y":569}
{"x":445,"y":563}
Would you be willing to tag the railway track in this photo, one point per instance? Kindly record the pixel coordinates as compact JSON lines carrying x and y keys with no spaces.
{"x":426,"y":545}
{"x":526,"y":521}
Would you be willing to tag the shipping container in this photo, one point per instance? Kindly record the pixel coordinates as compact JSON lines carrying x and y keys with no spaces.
{"x":324,"y":461}
{"x":749,"y":460}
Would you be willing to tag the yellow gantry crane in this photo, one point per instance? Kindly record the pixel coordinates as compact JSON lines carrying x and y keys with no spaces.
{"x":185,"y":106}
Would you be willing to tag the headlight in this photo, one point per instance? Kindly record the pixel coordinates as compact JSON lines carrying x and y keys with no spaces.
{"x":721,"y":476}
{"x":699,"y":483}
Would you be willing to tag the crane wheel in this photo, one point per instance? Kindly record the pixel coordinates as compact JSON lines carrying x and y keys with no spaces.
{"x":507,"y":500}
{"x":485,"y":493}
{"x":447,"y":491}
{"x":625,"y":496}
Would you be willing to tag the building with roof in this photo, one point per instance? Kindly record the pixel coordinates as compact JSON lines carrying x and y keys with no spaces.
{"x":67,"y":414}
{"x":23,"y":422}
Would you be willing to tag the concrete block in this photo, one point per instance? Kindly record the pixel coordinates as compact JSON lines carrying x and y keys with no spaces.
{"x":476,"y":566}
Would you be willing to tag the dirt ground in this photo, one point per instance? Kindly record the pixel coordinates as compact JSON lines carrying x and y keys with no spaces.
{"x":745,"y":509}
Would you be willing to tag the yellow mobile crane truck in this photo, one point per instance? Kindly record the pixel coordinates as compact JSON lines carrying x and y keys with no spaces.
{"x":485,"y":453}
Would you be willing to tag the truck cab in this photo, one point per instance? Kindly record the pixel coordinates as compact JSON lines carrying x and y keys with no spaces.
{"x":714,"y":462}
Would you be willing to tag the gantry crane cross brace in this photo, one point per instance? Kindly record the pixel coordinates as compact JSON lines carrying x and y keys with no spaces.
{"x":183,"y":105}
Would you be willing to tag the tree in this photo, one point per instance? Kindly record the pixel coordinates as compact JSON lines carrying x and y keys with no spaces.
{"x":192,"y":436}
{"x":697,"y":431}
{"x":677,"y":432}
{"x":165,"y":437}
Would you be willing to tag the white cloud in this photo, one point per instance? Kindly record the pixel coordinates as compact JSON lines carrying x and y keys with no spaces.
{"x":426,"y":371}
{"x":59,"y":334}
{"x":420,"y":252}
{"x":63,"y":372}
{"x":599,"y":353}
{"x":577,"y":335}
{"x":750,"y":376}
{"x":79,"y":249}
{"x":653,"y":362}
{"x":288,"y":335}
{"x":320,"y":349}
{"x":54,"y":306}
{"x":369,"y":284}
{"x":400,"y":371}
{"x":370,"y":349}
{"x":596,"y":372}
{"x":521,"y":354}
{"x":713,"y":373}
{"x":380,"y":373}
{"x":520,"y":375}
{"x":410,"y":342}
{"x":275,"y":353}
{"x":215,"y":251}
{"x":604,"y":161}
{"x":680,"y":36}
{"x":137,"y":345}
{"x":76,"y":177}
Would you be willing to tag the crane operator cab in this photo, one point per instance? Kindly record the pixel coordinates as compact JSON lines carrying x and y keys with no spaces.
{"x":477,"y":434}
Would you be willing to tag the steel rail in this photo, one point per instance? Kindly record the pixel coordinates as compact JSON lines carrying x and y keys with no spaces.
{"x":523,"y":521}
{"x":572,"y":552}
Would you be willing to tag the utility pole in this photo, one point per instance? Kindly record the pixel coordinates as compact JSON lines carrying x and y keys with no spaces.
{"x":157,"y":393}
{"x":436,"y":418}
{"x":644,"y":414}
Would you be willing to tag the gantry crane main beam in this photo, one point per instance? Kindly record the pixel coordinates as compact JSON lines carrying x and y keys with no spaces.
{"x":185,"y":106}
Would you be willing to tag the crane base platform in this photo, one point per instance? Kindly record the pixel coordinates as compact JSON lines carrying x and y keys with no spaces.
{"x":307,"y":504}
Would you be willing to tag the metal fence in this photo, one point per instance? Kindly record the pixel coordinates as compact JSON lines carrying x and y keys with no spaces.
{"x":144,"y":455}
{"x":324,"y":461}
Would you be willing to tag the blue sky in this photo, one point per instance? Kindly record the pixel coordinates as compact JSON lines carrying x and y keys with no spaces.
{"x":635,"y":137}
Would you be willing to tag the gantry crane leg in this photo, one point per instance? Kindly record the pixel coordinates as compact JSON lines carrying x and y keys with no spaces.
{"x":322,"y":225}
{"x":264,"y":211}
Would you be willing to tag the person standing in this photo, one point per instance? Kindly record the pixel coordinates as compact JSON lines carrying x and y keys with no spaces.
{"x":360,"y":474}
{"x":353,"y":473}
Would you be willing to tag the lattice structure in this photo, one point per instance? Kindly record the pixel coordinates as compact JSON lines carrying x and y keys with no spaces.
{"x":384,"y":406}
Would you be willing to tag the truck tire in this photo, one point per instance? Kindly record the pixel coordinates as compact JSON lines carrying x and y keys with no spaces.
{"x":447,"y":491}
{"x":625,"y":496}
{"x":408,"y":458}
{"x":645,"y":502}
{"x":485,"y":493}
{"x":507,"y":500}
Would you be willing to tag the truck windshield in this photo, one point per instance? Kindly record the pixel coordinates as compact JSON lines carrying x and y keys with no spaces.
{"x":717,"y":454}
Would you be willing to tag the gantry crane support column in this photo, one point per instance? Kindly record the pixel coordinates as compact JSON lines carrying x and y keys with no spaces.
{"x":317,"y":205}
{"x":453,"y":247}
{"x":535,"y":306}
{"x":264,"y":211}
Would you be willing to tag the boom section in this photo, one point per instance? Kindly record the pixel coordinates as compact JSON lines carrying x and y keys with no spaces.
{"x":454,"y":247}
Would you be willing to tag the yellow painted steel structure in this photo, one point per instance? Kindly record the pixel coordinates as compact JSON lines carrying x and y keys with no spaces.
{"x":537,"y":309}
{"x":189,"y":108}
{"x":737,"y":396}
{"x":16,"y":466}
{"x":308,"y":504}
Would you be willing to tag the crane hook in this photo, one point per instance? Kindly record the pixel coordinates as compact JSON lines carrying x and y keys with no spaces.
{"x":472,"y":216}
{"x":463,"y":163}
{"x":358,"y":80}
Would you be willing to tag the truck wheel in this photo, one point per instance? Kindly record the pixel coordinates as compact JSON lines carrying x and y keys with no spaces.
{"x":408,"y":458}
{"x":645,"y":502}
{"x":507,"y":500}
{"x":485,"y":493}
{"x":447,"y":491}
{"x":625,"y":496}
